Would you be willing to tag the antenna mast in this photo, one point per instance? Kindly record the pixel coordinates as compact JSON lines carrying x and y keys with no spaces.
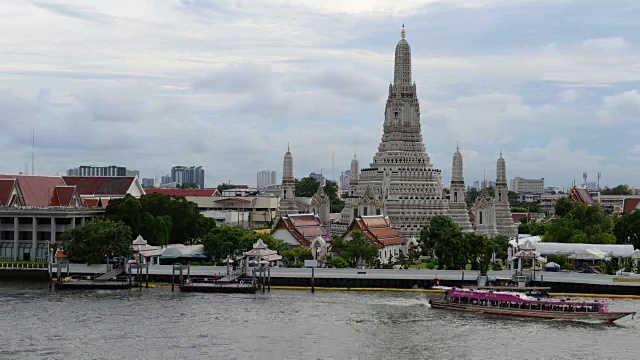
{"x":333,"y":164}
{"x":33,"y":151}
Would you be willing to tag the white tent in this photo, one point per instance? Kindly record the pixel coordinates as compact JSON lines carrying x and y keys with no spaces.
{"x":568,"y":249}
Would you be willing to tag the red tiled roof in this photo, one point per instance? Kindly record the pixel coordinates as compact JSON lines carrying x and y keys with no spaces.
{"x":100,"y":185}
{"x":37,"y":190}
{"x":631,"y":204}
{"x":184,"y":192}
{"x":91,"y":203}
{"x":377,"y":229}
{"x":6,"y":189}
{"x":64,"y":196}
{"x":303,"y":227}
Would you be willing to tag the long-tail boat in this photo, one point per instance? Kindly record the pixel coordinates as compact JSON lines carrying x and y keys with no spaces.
{"x":522,"y":305}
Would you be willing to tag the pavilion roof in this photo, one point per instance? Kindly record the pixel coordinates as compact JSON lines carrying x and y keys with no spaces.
{"x":303,"y":227}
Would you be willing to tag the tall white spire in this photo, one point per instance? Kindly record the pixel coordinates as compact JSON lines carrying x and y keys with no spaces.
{"x":457,"y":204}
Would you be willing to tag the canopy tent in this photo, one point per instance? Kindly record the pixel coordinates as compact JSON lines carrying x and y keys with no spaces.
{"x":567,"y":249}
{"x":175,"y":251}
{"x":635,"y":254}
{"x":590,"y":254}
{"x":551,"y":265}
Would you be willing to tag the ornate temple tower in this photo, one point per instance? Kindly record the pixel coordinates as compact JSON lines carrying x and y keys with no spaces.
{"x":485,"y":214}
{"x":355,"y":174}
{"x":322,"y":205}
{"x":457,"y":205}
{"x":287,"y":198}
{"x":401,"y":178}
{"x":504,"y":221}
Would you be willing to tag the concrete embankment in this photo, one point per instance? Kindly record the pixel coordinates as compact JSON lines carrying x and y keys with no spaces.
{"x":377,"y":279}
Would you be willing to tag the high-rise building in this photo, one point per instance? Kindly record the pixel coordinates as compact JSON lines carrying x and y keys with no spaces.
{"x":165,"y":179}
{"x":135,"y":173}
{"x":92,"y":170}
{"x":266,"y":178}
{"x":527,"y":186}
{"x":188,"y":174}
{"x":148,"y":182}
{"x":345,"y":180}
{"x":401,"y":182}
{"x":321,"y":179}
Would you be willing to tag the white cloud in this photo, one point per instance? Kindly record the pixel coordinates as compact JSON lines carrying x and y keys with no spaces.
{"x":621,"y":107}
{"x":226,"y":84}
{"x":568,"y":96}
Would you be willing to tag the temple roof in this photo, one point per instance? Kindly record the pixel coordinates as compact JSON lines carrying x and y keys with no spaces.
{"x":377,"y":229}
{"x":630,"y":205}
{"x":38,"y":191}
{"x":303,"y":227}
{"x":580,"y":195}
{"x":101,"y":185}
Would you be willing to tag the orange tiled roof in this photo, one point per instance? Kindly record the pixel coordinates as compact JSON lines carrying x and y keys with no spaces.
{"x":303,"y":227}
{"x":378,"y":230}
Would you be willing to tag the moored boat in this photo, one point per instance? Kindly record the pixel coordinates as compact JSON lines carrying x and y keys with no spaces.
{"x":520,"y":304}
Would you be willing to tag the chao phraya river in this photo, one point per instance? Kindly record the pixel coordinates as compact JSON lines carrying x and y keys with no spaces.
{"x":159,"y":324}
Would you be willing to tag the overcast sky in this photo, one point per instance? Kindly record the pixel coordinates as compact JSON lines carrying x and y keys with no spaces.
{"x":150,"y":84}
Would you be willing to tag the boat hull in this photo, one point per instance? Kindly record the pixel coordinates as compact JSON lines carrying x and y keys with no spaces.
{"x":557,"y":315}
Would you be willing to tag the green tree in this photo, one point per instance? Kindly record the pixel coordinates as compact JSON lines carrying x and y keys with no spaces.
{"x":444,"y":239}
{"x":188,"y":186}
{"x":149,"y":216}
{"x":481,"y":249}
{"x":223,"y":241}
{"x":563,"y":206}
{"x":338,"y":262}
{"x":306,"y":187}
{"x":513,"y":198}
{"x":188,"y":225}
{"x":96,"y":240}
{"x":627,"y":229}
{"x":331,"y":189}
{"x":358,"y":249}
{"x":618,"y":190}
{"x":471,"y":196}
{"x":297,"y":255}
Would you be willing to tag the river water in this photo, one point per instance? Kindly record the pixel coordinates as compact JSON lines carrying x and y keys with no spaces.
{"x":158,"y":324}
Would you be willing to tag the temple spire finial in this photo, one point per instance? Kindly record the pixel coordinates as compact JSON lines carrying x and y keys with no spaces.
{"x":288,"y":147}
{"x":355,"y":154}
{"x":500,"y":152}
{"x":458,"y":146}
{"x":403,"y":33}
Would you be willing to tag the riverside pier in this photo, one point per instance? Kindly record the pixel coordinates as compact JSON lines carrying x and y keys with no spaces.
{"x":565,"y":282}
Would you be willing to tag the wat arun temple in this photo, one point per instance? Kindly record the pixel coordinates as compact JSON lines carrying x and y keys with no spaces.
{"x":402,"y":184}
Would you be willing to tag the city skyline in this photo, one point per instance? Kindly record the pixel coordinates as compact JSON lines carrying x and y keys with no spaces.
{"x":229,"y":95}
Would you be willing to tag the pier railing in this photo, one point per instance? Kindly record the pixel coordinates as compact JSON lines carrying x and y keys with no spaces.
{"x":22,"y":265}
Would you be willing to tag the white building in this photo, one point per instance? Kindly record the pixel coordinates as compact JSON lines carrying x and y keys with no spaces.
{"x":528,"y":186}
{"x":266,"y":178}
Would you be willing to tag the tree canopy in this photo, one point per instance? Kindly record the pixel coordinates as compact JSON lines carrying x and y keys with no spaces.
{"x":618,"y":190}
{"x":96,"y":240}
{"x":161,"y":219}
{"x":578,"y":223}
{"x":306,"y":187}
{"x":225,"y":240}
{"x":627,"y":229}
{"x":188,"y":186}
{"x":355,"y":250}
{"x":454,"y":249}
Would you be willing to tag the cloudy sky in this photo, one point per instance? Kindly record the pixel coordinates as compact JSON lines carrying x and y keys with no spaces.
{"x":149,"y":84}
